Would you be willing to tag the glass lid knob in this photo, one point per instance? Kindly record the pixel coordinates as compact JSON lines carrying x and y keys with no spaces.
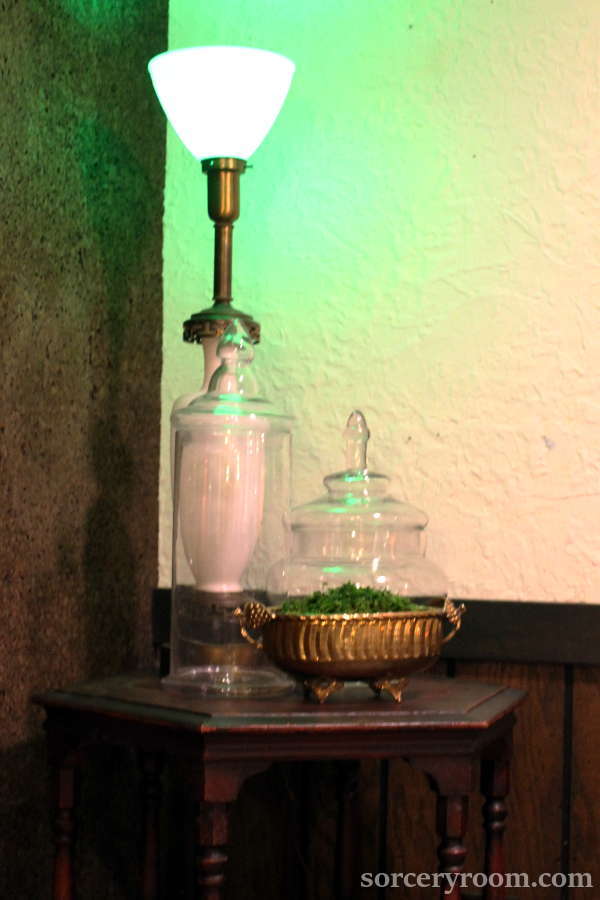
{"x":236,"y":352}
{"x":357,"y":435}
{"x":356,"y":479}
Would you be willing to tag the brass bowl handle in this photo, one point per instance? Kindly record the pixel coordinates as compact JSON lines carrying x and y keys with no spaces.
{"x":253,"y":615}
{"x":454,"y":615}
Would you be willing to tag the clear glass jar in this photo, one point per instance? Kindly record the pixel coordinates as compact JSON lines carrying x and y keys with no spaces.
{"x":231,"y":495}
{"x":360,"y":534}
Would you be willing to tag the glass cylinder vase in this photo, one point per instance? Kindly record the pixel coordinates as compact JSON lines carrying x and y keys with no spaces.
{"x":231,"y":496}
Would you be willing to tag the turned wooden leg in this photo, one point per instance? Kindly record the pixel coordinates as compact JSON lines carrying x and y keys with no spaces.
{"x":452,"y":778}
{"x":217,"y":785}
{"x":211,"y":859}
{"x":151,"y":767}
{"x":495,"y":783}
{"x":63,"y":862}
{"x":451,"y":826}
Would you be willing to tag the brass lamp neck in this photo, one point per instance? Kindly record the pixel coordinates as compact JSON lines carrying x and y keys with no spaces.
{"x":223,"y":208}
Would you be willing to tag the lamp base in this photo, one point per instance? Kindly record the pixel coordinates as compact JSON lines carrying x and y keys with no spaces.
{"x":230,"y":681}
{"x":213,"y":321}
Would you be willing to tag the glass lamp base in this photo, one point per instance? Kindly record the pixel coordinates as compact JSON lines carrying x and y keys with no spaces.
{"x":230,"y":681}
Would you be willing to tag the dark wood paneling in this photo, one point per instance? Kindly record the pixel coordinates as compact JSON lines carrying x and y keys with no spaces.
{"x":534,"y":824}
{"x":528,"y":632}
{"x":585,"y":797}
{"x":412,"y":837}
{"x":371,"y":824}
{"x":343,"y":817}
{"x":265,"y":841}
{"x":323,"y":822}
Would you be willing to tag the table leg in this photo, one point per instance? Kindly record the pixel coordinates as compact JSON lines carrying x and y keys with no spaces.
{"x":451,"y":826}
{"x":63,"y":862}
{"x":495,"y":783}
{"x":218,"y":784}
{"x":213,"y":838}
{"x":453,"y":778}
{"x":151,"y":767}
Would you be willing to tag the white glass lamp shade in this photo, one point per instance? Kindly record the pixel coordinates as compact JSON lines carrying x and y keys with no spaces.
{"x":221,"y":101}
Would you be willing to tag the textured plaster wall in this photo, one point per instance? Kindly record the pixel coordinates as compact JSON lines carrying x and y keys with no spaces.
{"x":420,"y":238}
{"x":81,"y":172}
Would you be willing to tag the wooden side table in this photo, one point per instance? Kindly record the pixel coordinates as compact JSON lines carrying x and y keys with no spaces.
{"x":451,"y":729}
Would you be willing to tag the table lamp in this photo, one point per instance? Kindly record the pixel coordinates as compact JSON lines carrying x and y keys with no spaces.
{"x":230,"y":447}
{"x":222,"y":103}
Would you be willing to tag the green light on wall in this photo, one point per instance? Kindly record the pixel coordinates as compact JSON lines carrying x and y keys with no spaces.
{"x":102,"y":13}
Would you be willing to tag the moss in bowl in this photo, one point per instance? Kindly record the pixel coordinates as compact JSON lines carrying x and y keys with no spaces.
{"x":348,"y":599}
{"x":351,"y":633}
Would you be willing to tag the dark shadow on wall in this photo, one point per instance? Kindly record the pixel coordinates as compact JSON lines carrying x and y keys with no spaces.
{"x":81,"y":173}
{"x":117,"y":194}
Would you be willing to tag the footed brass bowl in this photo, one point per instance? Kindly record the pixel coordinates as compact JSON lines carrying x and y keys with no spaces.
{"x":325,"y":650}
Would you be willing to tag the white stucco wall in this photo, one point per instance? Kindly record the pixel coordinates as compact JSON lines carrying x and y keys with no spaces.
{"x":420,"y":237}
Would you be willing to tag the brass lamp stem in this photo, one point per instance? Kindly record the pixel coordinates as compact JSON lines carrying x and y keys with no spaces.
{"x":223,"y":208}
{"x":222,"y":270}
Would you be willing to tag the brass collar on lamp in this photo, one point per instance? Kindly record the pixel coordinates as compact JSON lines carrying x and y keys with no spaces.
{"x":223,"y":208}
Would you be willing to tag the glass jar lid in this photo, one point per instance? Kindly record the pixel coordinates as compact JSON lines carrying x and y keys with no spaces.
{"x":357,"y":495}
{"x":233,"y":391}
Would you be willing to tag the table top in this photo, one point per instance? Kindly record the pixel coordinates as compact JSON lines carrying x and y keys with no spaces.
{"x":429,"y":703}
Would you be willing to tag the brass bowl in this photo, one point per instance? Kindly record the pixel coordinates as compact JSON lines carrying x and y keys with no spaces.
{"x":326,"y":650}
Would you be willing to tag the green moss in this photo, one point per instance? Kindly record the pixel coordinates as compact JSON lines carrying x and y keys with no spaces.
{"x":349,"y":599}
